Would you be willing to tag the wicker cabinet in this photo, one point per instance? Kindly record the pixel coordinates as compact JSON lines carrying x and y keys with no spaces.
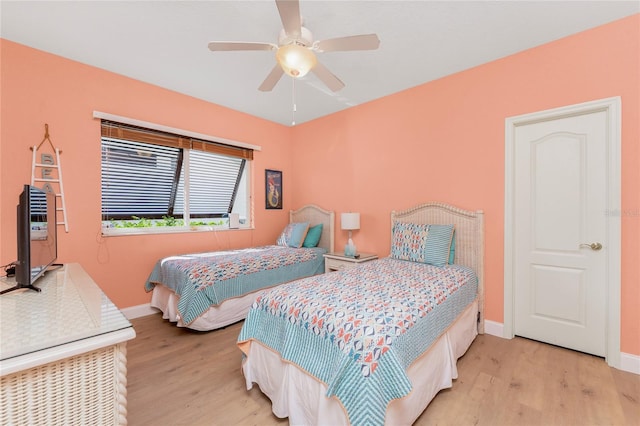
{"x":63,"y":353}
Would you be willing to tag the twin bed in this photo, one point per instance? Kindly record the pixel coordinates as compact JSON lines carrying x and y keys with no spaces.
{"x":372,"y":344}
{"x":205,"y":291}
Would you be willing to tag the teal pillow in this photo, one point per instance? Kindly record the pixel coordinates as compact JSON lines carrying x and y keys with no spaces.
{"x":313,"y":236}
{"x":293,"y":234}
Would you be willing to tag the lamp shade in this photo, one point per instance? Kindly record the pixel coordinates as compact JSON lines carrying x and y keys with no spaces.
{"x":295,"y":60}
{"x":350,"y":221}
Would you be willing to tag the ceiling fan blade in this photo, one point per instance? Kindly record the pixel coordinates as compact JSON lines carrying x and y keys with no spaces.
{"x":274,"y":76}
{"x":356,"y":42}
{"x":240,"y":45}
{"x":327,"y":77}
{"x":290,"y":15}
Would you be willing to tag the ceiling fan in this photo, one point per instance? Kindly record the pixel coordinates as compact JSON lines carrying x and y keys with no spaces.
{"x":295,"y":51}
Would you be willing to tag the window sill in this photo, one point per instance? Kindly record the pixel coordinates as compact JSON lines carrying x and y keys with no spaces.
{"x":119,"y":232}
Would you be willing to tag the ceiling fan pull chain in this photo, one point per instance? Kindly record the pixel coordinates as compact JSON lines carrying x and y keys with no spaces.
{"x":293,"y":100}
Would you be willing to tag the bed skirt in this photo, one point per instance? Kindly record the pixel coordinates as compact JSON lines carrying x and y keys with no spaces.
{"x":297,"y":395}
{"x":229,"y":312}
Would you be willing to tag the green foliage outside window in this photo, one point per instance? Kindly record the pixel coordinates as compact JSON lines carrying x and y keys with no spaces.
{"x":141,"y":222}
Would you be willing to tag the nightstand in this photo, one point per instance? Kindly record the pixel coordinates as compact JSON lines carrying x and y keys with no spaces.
{"x":338,"y":261}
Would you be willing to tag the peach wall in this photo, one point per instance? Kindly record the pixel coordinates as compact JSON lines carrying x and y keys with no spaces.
{"x":39,"y":88}
{"x":444,"y":141}
{"x":440,"y":141}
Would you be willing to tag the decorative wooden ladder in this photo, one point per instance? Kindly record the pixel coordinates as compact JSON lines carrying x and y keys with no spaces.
{"x":48,"y":165}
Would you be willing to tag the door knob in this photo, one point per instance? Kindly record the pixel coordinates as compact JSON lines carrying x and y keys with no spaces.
{"x":592,"y":246}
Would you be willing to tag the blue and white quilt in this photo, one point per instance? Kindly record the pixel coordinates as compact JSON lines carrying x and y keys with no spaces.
{"x":207,"y":279}
{"x":358,"y":330}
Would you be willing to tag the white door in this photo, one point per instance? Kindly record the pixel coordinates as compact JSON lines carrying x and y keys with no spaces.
{"x":560,"y":231}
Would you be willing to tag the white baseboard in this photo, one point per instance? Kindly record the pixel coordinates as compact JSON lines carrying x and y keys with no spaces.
{"x":493,"y":328}
{"x":630,"y":363}
{"x":139,"y":311}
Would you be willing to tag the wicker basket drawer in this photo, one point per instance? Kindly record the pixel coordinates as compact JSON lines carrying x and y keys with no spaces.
{"x":87,"y":389}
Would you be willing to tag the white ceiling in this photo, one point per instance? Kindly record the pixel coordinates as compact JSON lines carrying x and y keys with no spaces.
{"x":165,"y":43}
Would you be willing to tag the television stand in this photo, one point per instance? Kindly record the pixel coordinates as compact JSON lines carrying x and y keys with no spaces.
{"x":63,"y":353}
{"x":19,"y":286}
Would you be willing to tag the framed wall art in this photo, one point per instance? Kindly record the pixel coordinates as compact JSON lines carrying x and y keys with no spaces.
{"x":273,"y":189}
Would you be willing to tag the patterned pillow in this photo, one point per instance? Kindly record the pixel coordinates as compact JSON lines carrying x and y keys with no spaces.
{"x":293,"y":234}
{"x":422,"y":243}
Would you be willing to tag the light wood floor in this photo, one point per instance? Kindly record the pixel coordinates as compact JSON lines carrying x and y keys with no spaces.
{"x":181,"y":377}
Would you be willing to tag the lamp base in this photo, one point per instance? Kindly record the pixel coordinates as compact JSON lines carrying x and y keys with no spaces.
{"x":350,"y":249}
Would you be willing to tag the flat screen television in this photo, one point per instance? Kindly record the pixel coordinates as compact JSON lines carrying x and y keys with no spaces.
{"x":37,"y":235}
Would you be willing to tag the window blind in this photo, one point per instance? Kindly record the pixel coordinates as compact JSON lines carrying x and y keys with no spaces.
{"x":148,"y":180}
{"x":138,"y":179}
{"x":212,"y":185}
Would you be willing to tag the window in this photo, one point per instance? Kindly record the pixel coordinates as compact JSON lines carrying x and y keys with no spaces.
{"x":154,"y":181}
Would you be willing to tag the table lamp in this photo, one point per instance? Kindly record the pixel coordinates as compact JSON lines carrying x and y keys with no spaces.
{"x":349,"y":222}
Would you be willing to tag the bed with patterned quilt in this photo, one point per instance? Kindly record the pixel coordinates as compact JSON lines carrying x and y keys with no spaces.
{"x":372,"y":344}
{"x":205,"y":291}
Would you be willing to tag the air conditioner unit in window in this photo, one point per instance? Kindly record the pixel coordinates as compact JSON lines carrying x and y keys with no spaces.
{"x":234,"y":220}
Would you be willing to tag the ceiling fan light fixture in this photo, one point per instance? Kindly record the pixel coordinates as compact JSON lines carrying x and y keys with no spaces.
{"x":296,"y":60}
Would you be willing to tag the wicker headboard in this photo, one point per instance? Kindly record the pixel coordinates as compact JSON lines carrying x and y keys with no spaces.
{"x":469,"y":228}
{"x":316,"y":215}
